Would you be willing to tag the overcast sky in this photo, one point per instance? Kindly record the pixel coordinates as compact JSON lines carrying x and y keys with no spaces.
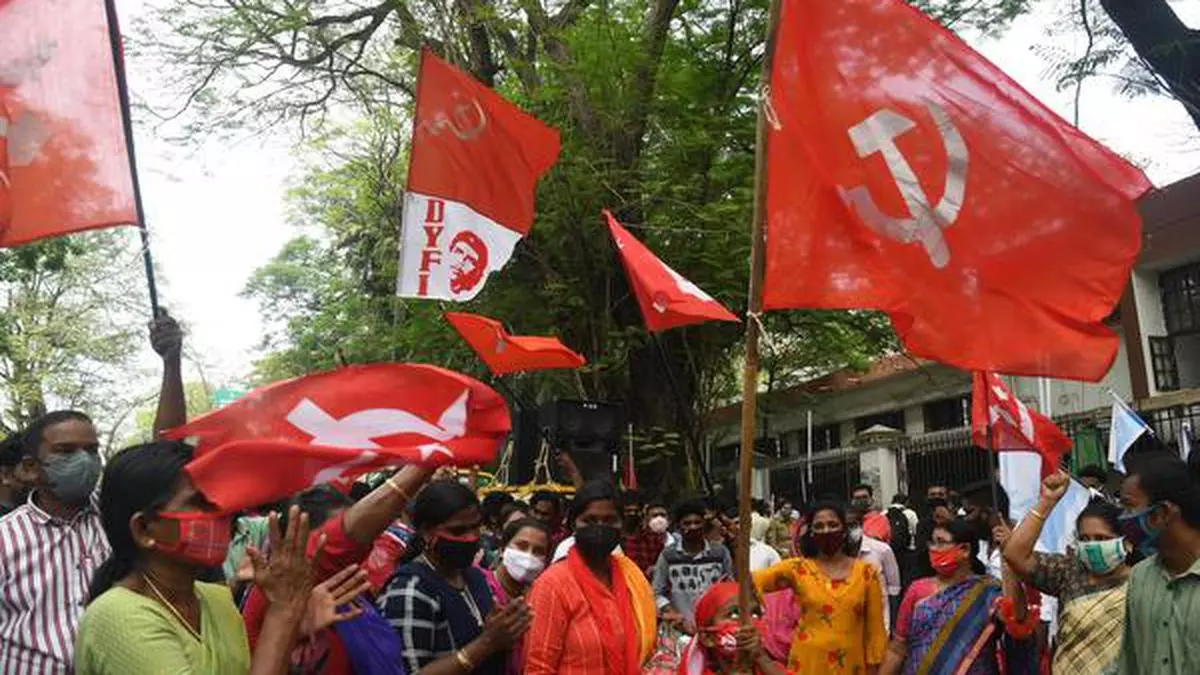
{"x":218,"y":214}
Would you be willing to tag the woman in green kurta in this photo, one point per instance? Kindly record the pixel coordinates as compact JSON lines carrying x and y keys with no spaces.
{"x":148,"y":615}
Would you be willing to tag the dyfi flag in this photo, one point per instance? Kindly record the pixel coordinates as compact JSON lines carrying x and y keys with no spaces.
{"x":1013,"y":426}
{"x":504,"y":354}
{"x":1127,"y":427}
{"x":475,"y":163}
{"x":908,"y":174}
{"x":300,"y":433}
{"x":63,"y":161}
{"x":666,"y":298}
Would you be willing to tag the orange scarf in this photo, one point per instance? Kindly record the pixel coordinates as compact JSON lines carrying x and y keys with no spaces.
{"x":620,"y":659}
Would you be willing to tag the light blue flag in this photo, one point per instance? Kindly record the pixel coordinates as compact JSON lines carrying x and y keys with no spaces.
{"x":1127,"y":427}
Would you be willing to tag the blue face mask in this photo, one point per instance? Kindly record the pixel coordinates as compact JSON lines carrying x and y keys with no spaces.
{"x":1136,"y":527}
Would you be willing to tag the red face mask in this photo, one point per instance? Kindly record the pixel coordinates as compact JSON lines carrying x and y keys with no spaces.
{"x":945,"y":562}
{"x":725,"y":636}
{"x":203,"y":537}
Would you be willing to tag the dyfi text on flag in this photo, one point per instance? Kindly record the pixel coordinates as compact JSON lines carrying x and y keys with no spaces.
{"x":475,"y":163}
{"x":1002,"y":422}
{"x":299,"y":433}
{"x":908,"y":174}
{"x":667,"y":299}
{"x":63,"y":161}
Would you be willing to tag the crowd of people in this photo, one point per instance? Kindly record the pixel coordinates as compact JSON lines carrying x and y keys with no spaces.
{"x":124,"y":568}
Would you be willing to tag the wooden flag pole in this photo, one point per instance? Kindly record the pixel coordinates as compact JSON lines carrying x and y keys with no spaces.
{"x":753,"y":323}
{"x":114,"y":36}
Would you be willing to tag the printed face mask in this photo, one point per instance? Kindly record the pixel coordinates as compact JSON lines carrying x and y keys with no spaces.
{"x":1101,"y":557}
{"x":1137,"y":529}
{"x":203,"y":537}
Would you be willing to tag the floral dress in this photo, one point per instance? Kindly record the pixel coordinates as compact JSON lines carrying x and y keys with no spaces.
{"x":841,"y":622}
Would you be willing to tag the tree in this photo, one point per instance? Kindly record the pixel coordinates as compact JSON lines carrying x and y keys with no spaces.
{"x":70,"y":328}
{"x":656,"y":103}
{"x":1165,"y":44}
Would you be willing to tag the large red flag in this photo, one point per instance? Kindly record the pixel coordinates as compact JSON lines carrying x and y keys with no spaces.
{"x":1013,"y":425}
{"x":503,"y":353}
{"x":292,"y":435}
{"x":476,"y":160}
{"x":667,"y":299}
{"x":908,"y":174}
{"x":63,"y":161}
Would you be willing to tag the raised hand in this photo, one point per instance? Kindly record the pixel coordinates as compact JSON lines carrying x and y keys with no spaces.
{"x":286,"y":578}
{"x":330,"y":602}
{"x":505,"y":625}
{"x":166,"y":337}
{"x":1055,"y":486}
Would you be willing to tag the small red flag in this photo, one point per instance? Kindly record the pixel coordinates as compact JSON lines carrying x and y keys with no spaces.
{"x":475,"y":163}
{"x":299,"y":433}
{"x":63,"y":161}
{"x":1013,"y":425}
{"x":667,"y":299}
{"x":908,"y":174}
{"x":504,"y":353}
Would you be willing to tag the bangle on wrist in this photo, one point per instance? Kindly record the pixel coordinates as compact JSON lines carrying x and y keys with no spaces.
{"x":1037,"y":514}
{"x":464,"y":661}
{"x":391,"y":483}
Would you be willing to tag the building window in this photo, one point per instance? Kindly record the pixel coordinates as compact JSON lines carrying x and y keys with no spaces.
{"x":1162,"y":358}
{"x":1180,"y":289}
{"x":893,"y":419}
{"x":950,"y":413}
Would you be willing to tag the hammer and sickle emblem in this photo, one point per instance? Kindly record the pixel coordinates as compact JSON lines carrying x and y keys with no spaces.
{"x":878,"y":133}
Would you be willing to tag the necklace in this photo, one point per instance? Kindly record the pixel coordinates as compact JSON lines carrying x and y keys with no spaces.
{"x":170,"y":606}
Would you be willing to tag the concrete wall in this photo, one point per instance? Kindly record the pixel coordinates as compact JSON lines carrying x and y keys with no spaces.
{"x":1148,"y":299}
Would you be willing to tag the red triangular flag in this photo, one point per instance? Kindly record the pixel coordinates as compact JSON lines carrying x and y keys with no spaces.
{"x":1013,"y":425}
{"x":667,"y":299}
{"x":296,"y":434}
{"x":908,"y":174}
{"x":475,"y":162}
{"x":503,"y":353}
{"x":63,"y":161}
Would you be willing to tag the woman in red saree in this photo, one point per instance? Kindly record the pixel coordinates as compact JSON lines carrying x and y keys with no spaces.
{"x":721,"y":639}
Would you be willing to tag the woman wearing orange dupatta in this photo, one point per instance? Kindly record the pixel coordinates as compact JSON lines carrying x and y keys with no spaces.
{"x":594,"y":613}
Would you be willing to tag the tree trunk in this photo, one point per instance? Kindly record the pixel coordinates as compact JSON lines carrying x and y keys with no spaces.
{"x":1167,"y":46}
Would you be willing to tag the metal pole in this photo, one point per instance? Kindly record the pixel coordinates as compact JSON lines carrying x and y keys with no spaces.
{"x":114,"y":36}
{"x":754,"y":307}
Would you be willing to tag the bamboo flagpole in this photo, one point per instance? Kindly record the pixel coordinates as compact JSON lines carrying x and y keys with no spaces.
{"x":753,"y":323}
{"x":118,"y":53}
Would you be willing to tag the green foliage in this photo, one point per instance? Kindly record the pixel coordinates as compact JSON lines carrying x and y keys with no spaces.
{"x":68,"y":329}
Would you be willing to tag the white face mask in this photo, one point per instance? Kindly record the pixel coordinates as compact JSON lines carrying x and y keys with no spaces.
{"x":521,"y":566}
{"x":658,"y":524}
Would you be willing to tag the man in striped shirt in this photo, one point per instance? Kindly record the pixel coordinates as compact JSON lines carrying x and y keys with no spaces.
{"x":52,"y":544}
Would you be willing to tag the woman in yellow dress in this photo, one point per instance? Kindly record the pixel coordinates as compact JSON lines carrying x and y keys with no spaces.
{"x":839,"y":596}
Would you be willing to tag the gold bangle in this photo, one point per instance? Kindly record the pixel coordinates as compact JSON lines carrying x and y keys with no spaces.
{"x":461,"y":657}
{"x":1037,"y":514}
{"x":397,"y":489}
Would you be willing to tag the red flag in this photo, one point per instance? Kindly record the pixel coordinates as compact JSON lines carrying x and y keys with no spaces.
{"x":476,"y":160}
{"x":908,"y":174}
{"x":63,"y":161}
{"x":1013,"y":425}
{"x":504,"y":353}
{"x":295,"y":434}
{"x":666,"y":298}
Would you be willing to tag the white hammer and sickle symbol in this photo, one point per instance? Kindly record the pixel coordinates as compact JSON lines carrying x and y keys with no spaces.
{"x":878,"y":133}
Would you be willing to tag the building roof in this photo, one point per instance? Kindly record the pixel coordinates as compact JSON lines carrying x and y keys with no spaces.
{"x":1171,"y":223}
{"x":837,"y":381}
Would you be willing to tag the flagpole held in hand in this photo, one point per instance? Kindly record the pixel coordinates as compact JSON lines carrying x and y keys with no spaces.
{"x":118,"y":54}
{"x":753,"y":309}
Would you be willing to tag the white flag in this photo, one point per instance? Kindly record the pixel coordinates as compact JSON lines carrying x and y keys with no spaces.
{"x":1127,"y":427}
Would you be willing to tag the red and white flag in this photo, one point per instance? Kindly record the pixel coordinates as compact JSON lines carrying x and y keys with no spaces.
{"x":504,"y":354}
{"x":667,"y":299}
{"x":63,"y":161}
{"x":299,"y":433}
{"x":476,"y":160}
{"x":908,"y":174}
{"x":1013,"y":425}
